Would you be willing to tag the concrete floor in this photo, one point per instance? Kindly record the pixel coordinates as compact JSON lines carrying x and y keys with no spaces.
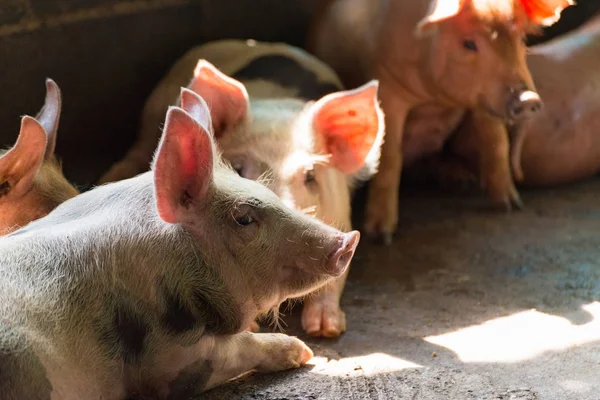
{"x":466,"y":304}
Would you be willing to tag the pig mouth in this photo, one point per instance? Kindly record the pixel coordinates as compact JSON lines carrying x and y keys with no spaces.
{"x":302,"y":282}
{"x":492,"y":111}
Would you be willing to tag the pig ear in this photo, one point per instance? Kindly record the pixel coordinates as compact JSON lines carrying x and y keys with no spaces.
{"x":20,"y":165}
{"x":351,"y":126}
{"x":196,"y":107}
{"x":227,"y":98}
{"x":440,"y":10}
{"x":183,"y":166}
{"x":49,"y":115}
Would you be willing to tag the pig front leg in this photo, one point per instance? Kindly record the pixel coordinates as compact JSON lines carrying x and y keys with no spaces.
{"x":322,"y":314}
{"x":221,"y":358}
{"x":382,"y":202}
{"x":484,"y":141}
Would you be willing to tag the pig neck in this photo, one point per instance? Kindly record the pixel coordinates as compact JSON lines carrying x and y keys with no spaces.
{"x":116,"y":232}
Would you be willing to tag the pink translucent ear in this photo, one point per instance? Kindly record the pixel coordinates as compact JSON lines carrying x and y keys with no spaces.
{"x":226,"y":98}
{"x":49,"y":115}
{"x":20,"y":165}
{"x":439,"y":11}
{"x":350,"y":125}
{"x":183,"y":167}
{"x":196,"y":107}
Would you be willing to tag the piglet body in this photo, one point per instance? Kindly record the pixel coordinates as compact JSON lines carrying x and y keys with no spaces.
{"x":143,"y":287}
{"x":435,"y":60}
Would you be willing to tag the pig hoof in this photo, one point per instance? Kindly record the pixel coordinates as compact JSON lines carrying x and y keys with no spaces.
{"x":510,"y":204}
{"x":284,"y":352}
{"x":323,"y":318}
{"x":518,"y":202}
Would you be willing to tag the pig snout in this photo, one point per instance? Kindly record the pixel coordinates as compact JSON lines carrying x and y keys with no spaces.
{"x":340,"y":257}
{"x":523,"y":104}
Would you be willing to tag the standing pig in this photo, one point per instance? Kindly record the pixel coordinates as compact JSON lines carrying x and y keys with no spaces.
{"x":31,"y":180}
{"x":142,"y":288}
{"x":310,"y":153}
{"x":560,"y":144}
{"x":434,"y":59}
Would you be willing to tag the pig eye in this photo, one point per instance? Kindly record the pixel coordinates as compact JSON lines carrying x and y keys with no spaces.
{"x":470,"y":45}
{"x":245,"y":220}
{"x":310,"y":176}
{"x":239,"y":168}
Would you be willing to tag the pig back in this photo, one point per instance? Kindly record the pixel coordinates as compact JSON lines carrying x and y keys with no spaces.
{"x":271,"y":70}
{"x":566,"y":71}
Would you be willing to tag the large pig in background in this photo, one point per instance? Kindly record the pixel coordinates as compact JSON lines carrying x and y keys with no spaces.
{"x":434,"y":60}
{"x":143,"y":288}
{"x":31,"y":180}
{"x":281,"y":122}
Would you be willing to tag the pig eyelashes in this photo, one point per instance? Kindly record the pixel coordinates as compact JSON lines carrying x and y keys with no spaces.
{"x":309,"y":176}
{"x":245,"y":213}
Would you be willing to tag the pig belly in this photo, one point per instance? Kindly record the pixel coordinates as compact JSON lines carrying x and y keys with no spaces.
{"x":562,"y":156}
{"x":427,"y":130}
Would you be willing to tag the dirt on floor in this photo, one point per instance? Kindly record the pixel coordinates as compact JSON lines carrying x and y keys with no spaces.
{"x":467,"y":303}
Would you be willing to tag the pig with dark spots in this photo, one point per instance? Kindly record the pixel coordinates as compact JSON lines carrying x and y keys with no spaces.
{"x":142,"y":288}
{"x":31,"y":180}
{"x":434,"y":59}
{"x":561,"y":144}
{"x":267,"y":69}
{"x":275,"y":122}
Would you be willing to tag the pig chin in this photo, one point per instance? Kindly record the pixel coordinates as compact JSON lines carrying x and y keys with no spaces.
{"x":297,"y":281}
{"x":498,"y":112}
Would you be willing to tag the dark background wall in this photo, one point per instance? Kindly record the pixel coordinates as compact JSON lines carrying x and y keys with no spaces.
{"x":107,"y":55}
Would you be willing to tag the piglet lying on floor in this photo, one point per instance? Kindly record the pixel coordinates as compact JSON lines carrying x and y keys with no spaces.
{"x":143,"y":287}
{"x":31,"y":180}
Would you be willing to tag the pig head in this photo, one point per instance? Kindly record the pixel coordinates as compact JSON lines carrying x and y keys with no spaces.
{"x":309,"y":154}
{"x":31,"y":180}
{"x":475,"y":57}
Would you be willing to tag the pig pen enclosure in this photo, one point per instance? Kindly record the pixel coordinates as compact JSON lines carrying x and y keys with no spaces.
{"x":466,"y":303}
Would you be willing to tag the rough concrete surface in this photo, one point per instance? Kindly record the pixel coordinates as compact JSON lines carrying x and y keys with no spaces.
{"x":467,"y":303}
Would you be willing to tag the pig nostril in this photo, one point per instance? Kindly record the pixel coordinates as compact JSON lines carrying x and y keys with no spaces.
{"x":341,"y":258}
{"x":344,"y":259}
{"x":518,"y":110}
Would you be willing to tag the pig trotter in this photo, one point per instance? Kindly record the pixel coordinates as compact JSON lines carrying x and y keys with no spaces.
{"x":507,"y":200}
{"x":382,"y":214}
{"x":282,"y":352}
{"x":322,"y":316}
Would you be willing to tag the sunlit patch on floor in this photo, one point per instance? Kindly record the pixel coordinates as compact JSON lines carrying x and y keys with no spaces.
{"x":369,"y":364}
{"x":520,"y":336}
